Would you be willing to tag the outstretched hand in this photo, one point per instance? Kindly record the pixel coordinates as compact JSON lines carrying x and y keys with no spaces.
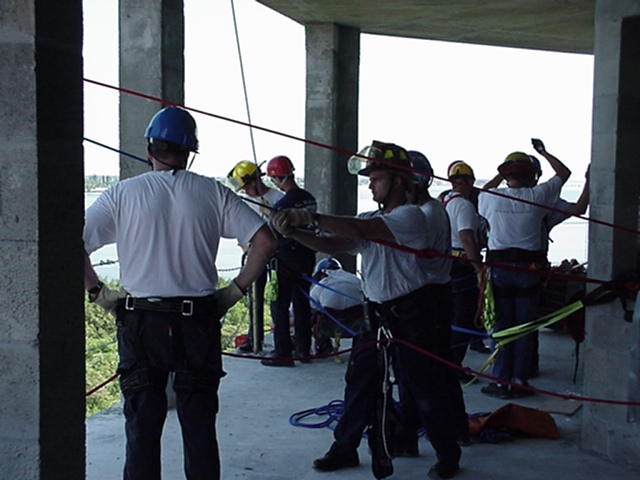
{"x":286,"y":221}
{"x":538,"y":145}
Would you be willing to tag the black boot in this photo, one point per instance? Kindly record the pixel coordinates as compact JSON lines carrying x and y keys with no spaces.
{"x":336,"y":460}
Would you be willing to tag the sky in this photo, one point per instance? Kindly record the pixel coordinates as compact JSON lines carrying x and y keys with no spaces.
{"x":451,"y":101}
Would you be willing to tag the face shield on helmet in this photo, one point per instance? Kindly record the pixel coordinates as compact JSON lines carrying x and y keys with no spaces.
{"x":329,"y":263}
{"x":243,"y":173}
{"x":422,"y":173}
{"x":378,"y":156}
{"x":173,"y":125}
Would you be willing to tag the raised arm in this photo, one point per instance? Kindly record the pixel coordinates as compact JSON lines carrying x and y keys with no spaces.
{"x":558,"y":167}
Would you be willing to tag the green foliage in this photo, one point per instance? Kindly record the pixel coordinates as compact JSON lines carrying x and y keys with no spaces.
{"x":102,"y":354}
{"x":101,"y":358}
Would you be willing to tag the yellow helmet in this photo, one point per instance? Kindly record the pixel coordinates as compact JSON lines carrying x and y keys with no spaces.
{"x":243,"y":173}
{"x":459,"y":168}
{"x":517,"y":163}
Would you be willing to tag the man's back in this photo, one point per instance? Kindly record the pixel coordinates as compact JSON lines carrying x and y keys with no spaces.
{"x":167,"y":226}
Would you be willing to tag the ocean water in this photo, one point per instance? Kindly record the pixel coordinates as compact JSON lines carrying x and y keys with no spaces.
{"x":569,"y":240}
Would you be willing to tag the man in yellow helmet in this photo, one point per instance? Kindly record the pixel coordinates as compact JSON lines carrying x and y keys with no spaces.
{"x":246,"y":176}
{"x":465,"y":246}
{"x":515,"y":241}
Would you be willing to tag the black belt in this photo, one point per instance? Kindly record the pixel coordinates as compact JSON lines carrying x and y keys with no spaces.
{"x":516,"y":255}
{"x":185,"y":306}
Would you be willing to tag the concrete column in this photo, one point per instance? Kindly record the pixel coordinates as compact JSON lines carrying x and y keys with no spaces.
{"x":151,"y":62}
{"x":333,"y":60}
{"x":42,"y":411}
{"x":609,"y":364}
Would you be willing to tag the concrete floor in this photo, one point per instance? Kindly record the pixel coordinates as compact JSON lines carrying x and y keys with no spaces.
{"x":258,"y":443}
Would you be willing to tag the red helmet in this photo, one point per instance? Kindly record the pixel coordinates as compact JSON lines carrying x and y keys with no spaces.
{"x":280,"y":166}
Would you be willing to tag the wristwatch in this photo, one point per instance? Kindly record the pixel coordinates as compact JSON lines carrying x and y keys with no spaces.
{"x":94,"y":291}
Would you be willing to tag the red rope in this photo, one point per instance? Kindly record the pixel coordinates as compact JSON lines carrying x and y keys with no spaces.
{"x":338,"y":149}
{"x":503,"y":382}
{"x":103,"y":384}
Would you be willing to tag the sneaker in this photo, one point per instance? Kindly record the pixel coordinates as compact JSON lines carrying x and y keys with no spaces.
{"x":277,"y":361}
{"x":443,"y":470}
{"x":497,"y":390}
{"x":336,"y":461}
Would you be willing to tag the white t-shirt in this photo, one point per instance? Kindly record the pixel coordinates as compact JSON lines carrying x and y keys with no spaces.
{"x":389,"y":272}
{"x":515,"y":224}
{"x":269,"y":199}
{"x":462,"y":216}
{"x":438,"y":237}
{"x":344,"y":290}
{"x":167,"y":228}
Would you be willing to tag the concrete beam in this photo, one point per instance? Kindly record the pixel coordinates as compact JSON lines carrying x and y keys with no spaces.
{"x":333,"y":60}
{"x":42,"y":411}
{"x":151,"y":62}
{"x":615,"y":190}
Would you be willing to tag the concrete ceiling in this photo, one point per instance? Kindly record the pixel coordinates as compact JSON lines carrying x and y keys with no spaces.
{"x":557,"y":25}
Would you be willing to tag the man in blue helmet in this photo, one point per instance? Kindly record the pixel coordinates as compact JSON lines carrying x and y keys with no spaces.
{"x":401,"y":287}
{"x":337,"y":295}
{"x":167,"y":224}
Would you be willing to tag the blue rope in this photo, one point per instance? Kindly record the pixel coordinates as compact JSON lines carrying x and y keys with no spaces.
{"x":333,"y":411}
{"x":325,"y":312}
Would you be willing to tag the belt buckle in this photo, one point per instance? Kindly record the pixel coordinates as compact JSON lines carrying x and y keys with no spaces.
{"x":128,"y":303}
{"x":187,"y":308}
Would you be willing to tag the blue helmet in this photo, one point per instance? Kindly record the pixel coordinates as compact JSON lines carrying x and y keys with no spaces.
{"x":329,"y":263}
{"x":423,"y":173}
{"x":175,"y":125}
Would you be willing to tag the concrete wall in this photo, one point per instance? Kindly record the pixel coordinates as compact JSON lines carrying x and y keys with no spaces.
{"x":333,"y":61}
{"x":614,"y":430}
{"x":41,"y":215}
{"x":151,"y":62}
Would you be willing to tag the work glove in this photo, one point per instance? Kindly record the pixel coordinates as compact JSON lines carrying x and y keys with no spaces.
{"x":108,"y":298}
{"x":280,"y":222}
{"x":225,"y":298}
{"x":538,"y":145}
{"x":286,"y":221}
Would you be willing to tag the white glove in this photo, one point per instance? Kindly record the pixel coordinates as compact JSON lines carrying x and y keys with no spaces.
{"x":225,"y":298}
{"x":108,"y":298}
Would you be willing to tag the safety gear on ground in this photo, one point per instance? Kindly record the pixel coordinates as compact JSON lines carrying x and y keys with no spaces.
{"x":280,"y":166}
{"x":225,"y":298}
{"x":175,"y":125}
{"x":329,"y":263}
{"x":516,"y":163}
{"x":379,"y":156}
{"x":243,"y":173}
{"x":108,"y":298}
{"x":423,"y":173}
{"x":459,"y":168}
